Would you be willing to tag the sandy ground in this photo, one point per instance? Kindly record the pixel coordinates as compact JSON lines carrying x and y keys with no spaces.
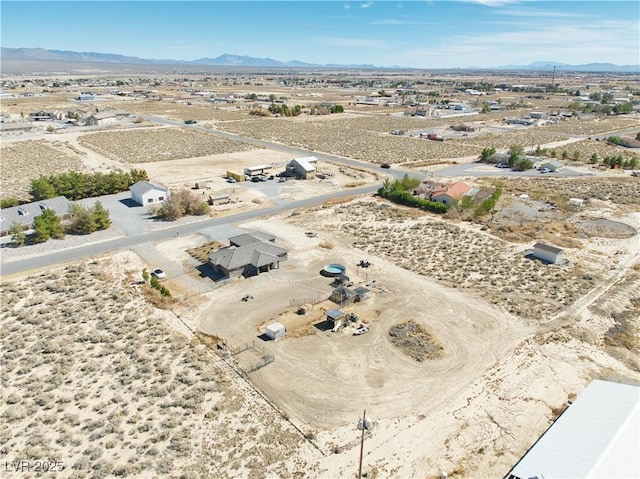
{"x":134,"y":392}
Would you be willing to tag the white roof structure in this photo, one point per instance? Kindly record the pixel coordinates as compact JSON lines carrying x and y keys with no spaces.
{"x":307,"y":162}
{"x":598,"y":436}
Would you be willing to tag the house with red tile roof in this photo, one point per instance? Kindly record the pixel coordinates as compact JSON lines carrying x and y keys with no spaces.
{"x":453,"y":193}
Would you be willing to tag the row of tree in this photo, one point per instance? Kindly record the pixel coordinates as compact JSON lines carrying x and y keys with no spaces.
{"x":76,"y":185}
{"x":84,"y":220}
{"x":401,"y":192}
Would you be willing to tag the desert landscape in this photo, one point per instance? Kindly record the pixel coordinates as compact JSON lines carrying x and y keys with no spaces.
{"x":473,"y":346}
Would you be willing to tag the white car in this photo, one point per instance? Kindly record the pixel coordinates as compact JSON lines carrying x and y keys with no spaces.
{"x":158,"y":273}
{"x":545,"y":170}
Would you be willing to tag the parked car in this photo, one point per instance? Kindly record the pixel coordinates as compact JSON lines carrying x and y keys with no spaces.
{"x":546,"y":170}
{"x":231,"y":180}
{"x":158,"y":273}
{"x":190,"y":122}
{"x":385,"y":165}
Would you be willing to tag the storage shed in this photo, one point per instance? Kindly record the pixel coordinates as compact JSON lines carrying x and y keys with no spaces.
{"x":334,"y":316}
{"x":595,"y":437}
{"x":547,"y":252}
{"x":275,"y":331}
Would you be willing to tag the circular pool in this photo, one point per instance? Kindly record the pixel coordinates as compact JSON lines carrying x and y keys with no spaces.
{"x":334,"y":269}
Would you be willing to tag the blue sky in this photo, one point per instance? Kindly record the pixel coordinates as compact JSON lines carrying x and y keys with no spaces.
{"x":420,"y":34}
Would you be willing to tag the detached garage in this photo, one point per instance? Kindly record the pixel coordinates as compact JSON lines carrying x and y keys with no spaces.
{"x":275,"y":331}
{"x":145,"y":193}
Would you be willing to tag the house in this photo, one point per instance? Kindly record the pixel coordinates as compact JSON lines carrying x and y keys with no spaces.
{"x":546,"y":252}
{"x":248,"y":255}
{"x":597,"y":436}
{"x":145,"y":192}
{"x":102,"y":118}
{"x":304,"y":168}
{"x":25,"y":214}
{"x":453,"y":193}
{"x":552,"y":165}
{"x":275,"y":331}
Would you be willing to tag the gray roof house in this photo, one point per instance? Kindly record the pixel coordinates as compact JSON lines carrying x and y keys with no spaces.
{"x":248,"y":255}
{"x":25,"y":214}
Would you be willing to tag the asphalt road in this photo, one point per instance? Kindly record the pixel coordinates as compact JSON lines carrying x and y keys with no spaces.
{"x":72,"y":254}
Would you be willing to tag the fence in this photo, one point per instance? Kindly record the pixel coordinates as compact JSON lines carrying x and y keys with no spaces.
{"x":314,"y":300}
{"x":267,"y":357}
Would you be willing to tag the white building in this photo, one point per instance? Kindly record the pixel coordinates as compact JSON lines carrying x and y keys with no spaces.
{"x":547,"y":252}
{"x":598,"y":437}
{"x":275,"y":331}
{"x":145,"y":193}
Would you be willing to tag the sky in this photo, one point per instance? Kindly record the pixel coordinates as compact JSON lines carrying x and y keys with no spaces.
{"x":414,"y":33}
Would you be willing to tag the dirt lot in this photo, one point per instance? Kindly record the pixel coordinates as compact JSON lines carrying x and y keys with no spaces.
{"x":127,"y":395}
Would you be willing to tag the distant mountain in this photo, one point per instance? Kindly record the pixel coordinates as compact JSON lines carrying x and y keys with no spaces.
{"x":222,"y":60}
{"x":227,"y":59}
{"x":588,"y":67}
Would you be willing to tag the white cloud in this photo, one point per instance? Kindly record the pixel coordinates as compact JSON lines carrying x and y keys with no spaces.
{"x":347,"y":6}
{"x":366,"y":5}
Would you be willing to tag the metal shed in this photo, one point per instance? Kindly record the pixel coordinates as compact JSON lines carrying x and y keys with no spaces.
{"x":275,"y":331}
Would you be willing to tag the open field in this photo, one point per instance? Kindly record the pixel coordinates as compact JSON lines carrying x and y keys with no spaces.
{"x":125,"y":395}
{"x":25,"y":161}
{"x":161,"y":144}
{"x":473,"y":347}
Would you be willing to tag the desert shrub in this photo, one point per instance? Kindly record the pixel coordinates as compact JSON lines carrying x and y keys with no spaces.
{"x":181,"y":203}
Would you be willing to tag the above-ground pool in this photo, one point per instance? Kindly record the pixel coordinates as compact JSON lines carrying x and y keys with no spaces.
{"x":333,"y":269}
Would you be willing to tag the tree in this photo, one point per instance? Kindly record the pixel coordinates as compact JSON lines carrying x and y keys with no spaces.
{"x":101,"y":216}
{"x":83,"y":221}
{"x":18,"y":236}
{"x":565,"y":155}
{"x":42,"y":189}
{"x":515,"y":152}
{"x":486,"y":108}
{"x":47,"y":225}
{"x":594,"y":159}
{"x":487,"y":153}
{"x":9,"y":202}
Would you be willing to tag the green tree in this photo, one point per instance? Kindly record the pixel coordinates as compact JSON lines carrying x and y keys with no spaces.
{"x":486,"y":108}
{"x":515,"y":152}
{"x":577,"y":155}
{"x":42,"y":189}
{"x":82,"y":221}
{"x":47,"y":225}
{"x":100,"y":216}
{"x":18,"y":236}
{"x":145,"y":275}
{"x":565,"y":155}
{"x":594,"y":159}
{"x":487,"y":153}
{"x":337,"y":109}
{"x":9,"y":202}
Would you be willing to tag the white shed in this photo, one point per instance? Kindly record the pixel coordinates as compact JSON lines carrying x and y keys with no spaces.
{"x":275,"y":331}
{"x":547,"y":252}
{"x":145,"y":193}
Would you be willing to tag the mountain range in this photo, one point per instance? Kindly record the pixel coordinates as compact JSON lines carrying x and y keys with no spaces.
{"x":40,"y":54}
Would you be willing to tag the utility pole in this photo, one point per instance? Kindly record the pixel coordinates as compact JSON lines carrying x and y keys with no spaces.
{"x":553,"y":79}
{"x":364,"y":426}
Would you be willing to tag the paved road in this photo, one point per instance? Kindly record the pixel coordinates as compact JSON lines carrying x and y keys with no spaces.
{"x":72,"y":254}
{"x":132,"y":239}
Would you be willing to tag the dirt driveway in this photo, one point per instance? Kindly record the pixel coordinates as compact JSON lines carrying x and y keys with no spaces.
{"x":325,"y":379}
